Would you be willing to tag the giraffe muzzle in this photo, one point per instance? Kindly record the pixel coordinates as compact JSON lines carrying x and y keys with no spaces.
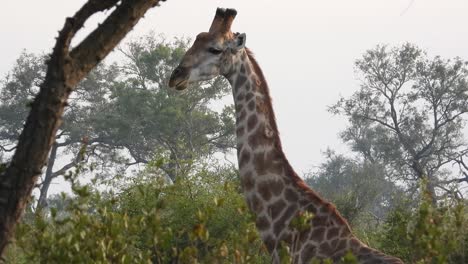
{"x":179,"y":78}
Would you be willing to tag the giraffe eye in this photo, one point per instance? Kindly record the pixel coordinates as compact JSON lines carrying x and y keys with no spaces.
{"x":214,"y":51}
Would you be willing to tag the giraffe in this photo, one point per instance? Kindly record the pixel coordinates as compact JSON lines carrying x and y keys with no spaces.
{"x":273,"y":191}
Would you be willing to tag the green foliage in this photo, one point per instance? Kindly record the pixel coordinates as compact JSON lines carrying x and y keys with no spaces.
{"x":200,"y":219}
{"x":144,"y":116}
{"x":349,"y":258}
{"x":393,"y":237}
{"x":359,"y":189}
{"x":427,"y":234}
{"x":17,"y":91}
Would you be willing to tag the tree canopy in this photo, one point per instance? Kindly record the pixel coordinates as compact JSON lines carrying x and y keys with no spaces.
{"x":409,"y":116}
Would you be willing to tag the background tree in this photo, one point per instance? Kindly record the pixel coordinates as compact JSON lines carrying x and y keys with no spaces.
{"x":408,"y":115}
{"x":125,"y":114}
{"x":151,"y":121}
{"x":359,"y":189}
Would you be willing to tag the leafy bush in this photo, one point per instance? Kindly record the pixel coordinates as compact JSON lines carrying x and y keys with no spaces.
{"x":202,"y":218}
{"x":428,"y":234}
{"x":199,"y":219}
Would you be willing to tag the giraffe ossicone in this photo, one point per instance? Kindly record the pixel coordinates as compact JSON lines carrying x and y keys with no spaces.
{"x":273,"y":191}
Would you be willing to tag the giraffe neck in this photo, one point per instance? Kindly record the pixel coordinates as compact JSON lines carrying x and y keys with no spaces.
{"x":274,"y":192}
{"x":272,"y":189}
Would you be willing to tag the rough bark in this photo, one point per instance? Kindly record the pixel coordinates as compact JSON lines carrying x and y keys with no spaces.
{"x":66,"y":68}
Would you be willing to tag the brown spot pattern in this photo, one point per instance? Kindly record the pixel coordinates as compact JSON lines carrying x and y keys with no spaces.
{"x":276,"y":187}
{"x":244,"y":158}
{"x":262,"y":223}
{"x":241,"y":96}
{"x":341,"y":245}
{"x":318,"y":234}
{"x":240,"y":81}
{"x":275,"y":209}
{"x":252,"y":122}
{"x":251,"y":105}
{"x":264,"y":191}
{"x":275,"y":162}
{"x":325,"y":249}
{"x":345,"y":232}
{"x":289,"y":213}
{"x":278,"y":227}
{"x":260,"y":164}
{"x":304,"y":235}
{"x":308,"y":253}
{"x":256,"y":204}
{"x":240,"y":131}
{"x":248,"y":181}
{"x":332,"y":232}
{"x":242,"y":115}
{"x":249,"y":96}
{"x":334,"y":243}
{"x":291,"y":195}
{"x":258,"y":139}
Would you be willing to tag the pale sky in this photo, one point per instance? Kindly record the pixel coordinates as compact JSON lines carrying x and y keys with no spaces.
{"x":306,"y":48}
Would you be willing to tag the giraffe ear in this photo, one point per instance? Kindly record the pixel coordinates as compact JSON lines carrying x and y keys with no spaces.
{"x":239,"y":41}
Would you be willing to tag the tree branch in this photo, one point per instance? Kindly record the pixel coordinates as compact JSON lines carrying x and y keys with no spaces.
{"x":383,"y":123}
{"x":7,"y":149}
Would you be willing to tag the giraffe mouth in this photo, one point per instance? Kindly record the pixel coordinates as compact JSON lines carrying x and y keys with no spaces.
{"x":179,"y":78}
{"x":181,"y":85}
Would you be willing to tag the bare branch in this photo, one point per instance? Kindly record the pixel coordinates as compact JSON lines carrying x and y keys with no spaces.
{"x":7,"y":149}
{"x":383,"y":123}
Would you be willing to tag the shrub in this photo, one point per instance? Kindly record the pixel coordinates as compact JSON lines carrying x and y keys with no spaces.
{"x":199,"y":219}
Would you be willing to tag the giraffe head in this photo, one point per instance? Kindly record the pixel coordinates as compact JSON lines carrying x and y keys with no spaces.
{"x":212,"y":53}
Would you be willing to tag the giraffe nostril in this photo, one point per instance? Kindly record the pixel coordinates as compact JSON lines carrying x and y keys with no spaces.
{"x":177,"y":71}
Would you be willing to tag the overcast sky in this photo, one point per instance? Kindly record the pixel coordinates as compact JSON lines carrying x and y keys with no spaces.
{"x":306,"y":48}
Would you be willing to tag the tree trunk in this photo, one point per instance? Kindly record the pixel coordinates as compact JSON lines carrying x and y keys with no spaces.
{"x":42,"y":201}
{"x":428,"y":181}
{"x":172,"y":167}
{"x":430,"y":189}
{"x":64,"y":70}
